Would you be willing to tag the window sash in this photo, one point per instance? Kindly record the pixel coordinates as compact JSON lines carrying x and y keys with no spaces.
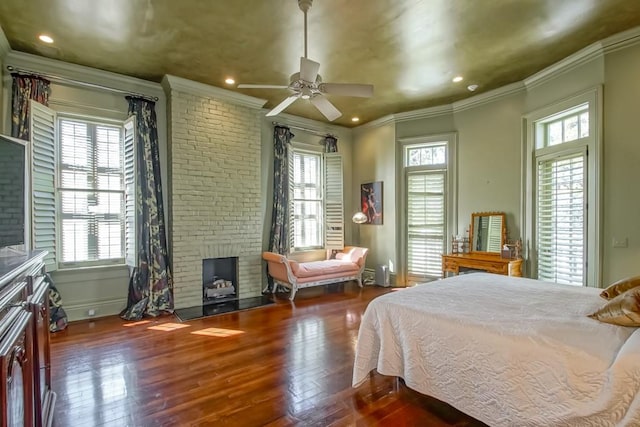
{"x":561,"y":218}
{"x":91,"y":193}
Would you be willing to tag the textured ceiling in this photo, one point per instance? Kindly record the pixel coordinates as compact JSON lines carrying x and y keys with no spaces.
{"x":408,"y":49}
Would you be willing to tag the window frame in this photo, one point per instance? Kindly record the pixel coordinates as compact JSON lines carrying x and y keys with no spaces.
{"x":321,"y":220}
{"x":534,"y":130}
{"x":94,"y":121}
{"x":451,"y":192}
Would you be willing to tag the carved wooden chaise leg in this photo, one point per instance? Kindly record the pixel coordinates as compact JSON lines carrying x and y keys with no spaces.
{"x":294,"y":289}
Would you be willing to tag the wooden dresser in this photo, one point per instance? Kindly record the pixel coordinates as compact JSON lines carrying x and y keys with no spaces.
{"x":490,"y":263}
{"x":25,"y":378}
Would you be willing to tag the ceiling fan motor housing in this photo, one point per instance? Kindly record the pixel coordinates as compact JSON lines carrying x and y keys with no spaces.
{"x":305,"y":5}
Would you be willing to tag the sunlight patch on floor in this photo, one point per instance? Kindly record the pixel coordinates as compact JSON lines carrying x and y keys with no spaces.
{"x":217,"y":332}
{"x":168,"y":327}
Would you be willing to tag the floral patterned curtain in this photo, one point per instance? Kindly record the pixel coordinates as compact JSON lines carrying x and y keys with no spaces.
{"x":24,"y":89}
{"x":330,"y":144}
{"x":151,"y":284}
{"x":279,"y":236}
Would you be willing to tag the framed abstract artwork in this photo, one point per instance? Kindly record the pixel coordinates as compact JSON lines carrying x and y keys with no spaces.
{"x":371,"y":201}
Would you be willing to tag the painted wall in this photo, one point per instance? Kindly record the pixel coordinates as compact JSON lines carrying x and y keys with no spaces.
{"x":489,"y":150}
{"x":621,"y":159}
{"x":374,"y":160}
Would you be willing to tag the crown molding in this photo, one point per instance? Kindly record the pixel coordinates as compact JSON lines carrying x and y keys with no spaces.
{"x":314,"y":125}
{"x":170,"y":83}
{"x":5,"y":47}
{"x":424,"y":113}
{"x":391,"y":118}
{"x":589,"y":53}
{"x":487,"y":97}
{"x":621,"y":40}
{"x":88,"y":75}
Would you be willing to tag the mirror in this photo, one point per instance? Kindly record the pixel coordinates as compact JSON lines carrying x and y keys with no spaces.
{"x":488,"y":232}
{"x":13,"y":185}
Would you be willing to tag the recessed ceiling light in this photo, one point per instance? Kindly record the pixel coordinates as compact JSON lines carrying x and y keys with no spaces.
{"x":472,"y":88}
{"x":229,"y":81}
{"x":457,"y":79}
{"x":355,"y":119}
{"x":45,"y":38}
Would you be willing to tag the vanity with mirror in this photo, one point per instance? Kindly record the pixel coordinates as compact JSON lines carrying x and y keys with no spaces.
{"x":487,"y":238}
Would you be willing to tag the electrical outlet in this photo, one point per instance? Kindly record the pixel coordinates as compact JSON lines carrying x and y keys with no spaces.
{"x":91,"y":312}
{"x":620,"y":243}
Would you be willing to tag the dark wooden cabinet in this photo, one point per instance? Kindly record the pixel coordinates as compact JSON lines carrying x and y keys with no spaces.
{"x":25,"y":378}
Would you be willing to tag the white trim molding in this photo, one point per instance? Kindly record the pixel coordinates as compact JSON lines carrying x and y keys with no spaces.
{"x":65,"y":70}
{"x":170,"y":83}
{"x":488,"y":97}
{"x":5,"y":47}
{"x":424,"y":113}
{"x":314,"y":125}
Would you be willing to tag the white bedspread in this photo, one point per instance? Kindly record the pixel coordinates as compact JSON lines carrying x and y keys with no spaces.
{"x":507,"y":351}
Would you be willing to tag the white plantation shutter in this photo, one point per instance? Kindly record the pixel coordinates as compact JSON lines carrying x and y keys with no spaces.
{"x":43,"y":166}
{"x":333,"y":207}
{"x":425,"y":223}
{"x":130,"y":181}
{"x":561,"y":213}
{"x":291,"y":215}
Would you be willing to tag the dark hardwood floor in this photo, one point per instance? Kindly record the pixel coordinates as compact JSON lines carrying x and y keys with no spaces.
{"x":281,"y":365}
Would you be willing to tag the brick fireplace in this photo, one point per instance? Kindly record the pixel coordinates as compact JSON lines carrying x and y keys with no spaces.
{"x":214,"y":169}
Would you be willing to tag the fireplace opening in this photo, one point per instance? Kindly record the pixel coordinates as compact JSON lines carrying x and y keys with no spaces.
{"x":219,"y":280}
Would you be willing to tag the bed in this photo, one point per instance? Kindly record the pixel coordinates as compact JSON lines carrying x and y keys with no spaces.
{"x":507,"y":351}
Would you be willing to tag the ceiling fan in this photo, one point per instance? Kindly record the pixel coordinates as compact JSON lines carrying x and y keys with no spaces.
{"x":307,"y":83}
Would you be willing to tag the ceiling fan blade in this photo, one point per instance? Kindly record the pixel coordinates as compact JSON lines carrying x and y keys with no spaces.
{"x":249,"y":86}
{"x":326,"y":107}
{"x":347,"y":89}
{"x":308,"y":69}
{"x":284,"y":104}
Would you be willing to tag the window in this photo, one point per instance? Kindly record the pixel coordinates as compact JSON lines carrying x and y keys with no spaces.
{"x":90,"y":192}
{"x":563,"y":148}
{"x":306,"y":188}
{"x":316,"y":202}
{"x":429,"y":198}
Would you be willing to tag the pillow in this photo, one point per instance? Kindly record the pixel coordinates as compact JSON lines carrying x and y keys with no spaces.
{"x":623,"y":310}
{"x":620,"y":286}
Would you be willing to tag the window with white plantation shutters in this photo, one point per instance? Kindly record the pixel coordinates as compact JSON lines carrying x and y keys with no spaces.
{"x":425,"y":223}
{"x":43,"y":162}
{"x":562,"y":220}
{"x":561,"y":209}
{"x":306,"y":201}
{"x":333,"y":207}
{"x":91,"y":193}
{"x":130,"y":181}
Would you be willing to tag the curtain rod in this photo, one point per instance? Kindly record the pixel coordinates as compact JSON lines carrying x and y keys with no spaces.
{"x":13,"y":69}
{"x":311,"y":131}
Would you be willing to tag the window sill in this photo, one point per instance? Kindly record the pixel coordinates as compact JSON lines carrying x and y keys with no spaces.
{"x":92,"y":268}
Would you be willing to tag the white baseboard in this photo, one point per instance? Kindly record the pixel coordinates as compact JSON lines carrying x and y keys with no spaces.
{"x":80,"y":311}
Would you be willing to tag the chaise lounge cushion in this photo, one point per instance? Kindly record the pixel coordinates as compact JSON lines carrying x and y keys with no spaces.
{"x":321,"y":268}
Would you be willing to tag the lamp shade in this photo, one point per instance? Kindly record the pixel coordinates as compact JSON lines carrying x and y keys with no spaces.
{"x":359,"y":218}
